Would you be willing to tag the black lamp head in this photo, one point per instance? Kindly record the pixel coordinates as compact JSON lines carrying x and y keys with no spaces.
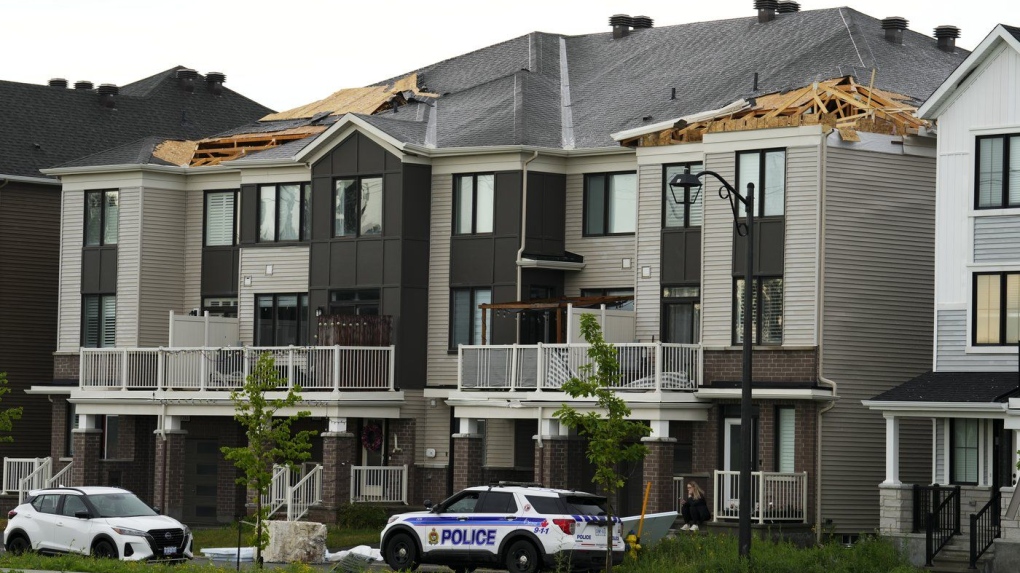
{"x":684,"y":182}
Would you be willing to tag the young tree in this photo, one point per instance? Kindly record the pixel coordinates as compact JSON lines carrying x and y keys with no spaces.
{"x":270,"y":440}
{"x":612,"y":437}
{"x":7,"y":416}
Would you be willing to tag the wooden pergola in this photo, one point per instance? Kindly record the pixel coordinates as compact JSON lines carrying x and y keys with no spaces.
{"x":557,"y":305}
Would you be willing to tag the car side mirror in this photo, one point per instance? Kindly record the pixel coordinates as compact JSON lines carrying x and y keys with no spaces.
{"x":158,"y":510}
{"x":428,"y":504}
{"x":83,"y":515}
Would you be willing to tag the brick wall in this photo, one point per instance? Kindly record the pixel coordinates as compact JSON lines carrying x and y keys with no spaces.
{"x":88,"y":453}
{"x":431,"y":485}
{"x":169,"y":474}
{"x":65,"y":366}
{"x":58,"y":429}
{"x":401,"y":448}
{"x":338,"y":455}
{"x":658,"y":469}
{"x":468,"y":452}
{"x":767,"y":365}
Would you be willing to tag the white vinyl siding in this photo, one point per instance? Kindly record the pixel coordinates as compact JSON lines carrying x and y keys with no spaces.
{"x":289,"y":276}
{"x":648,"y":242}
{"x":129,"y":266}
{"x":442,"y":366}
{"x":160,"y":264}
{"x":603,"y":256}
{"x":69,"y":308}
{"x":499,"y":442}
{"x":951,"y":353}
{"x":996,"y":239}
{"x":717,"y":260}
{"x":193,"y":229}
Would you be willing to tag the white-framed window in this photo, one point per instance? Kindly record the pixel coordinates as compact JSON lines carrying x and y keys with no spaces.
{"x":766,"y":311}
{"x":474,"y":201}
{"x":678,"y":211}
{"x":681,"y":314}
{"x":997,"y":172}
{"x":358,"y":207}
{"x":963,"y":442}
{"x":285,"y":212}
{"x":99,"y":321}
{"x":996,"y":309}
{"x":786,"y":438}
{"x":220,"y":229}
{"x":466,"y":317}
{"x":610,"y":203}
{"x":767,"y":170}
{"x":102,"y":218}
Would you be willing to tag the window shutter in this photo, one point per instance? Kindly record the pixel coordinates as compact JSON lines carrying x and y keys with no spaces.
{"x":219,"y":219}
{"x":91,"y":321}
{"x":109,"y":325}
{"x":1014,"y":171}
{"x":990,"y":173}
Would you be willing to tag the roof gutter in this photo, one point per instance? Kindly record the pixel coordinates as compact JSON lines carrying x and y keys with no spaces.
{"x":955,"y":407}
{"x":20,"y":179}
{"x":494,"y":149}
{"x":524,"y":227}
{"x":691,"y":118}
{"x":135,"y":167}
{"x":820,"y":322}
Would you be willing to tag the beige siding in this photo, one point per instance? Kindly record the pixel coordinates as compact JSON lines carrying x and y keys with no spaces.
{"x":442,"y":366}
{"x":499,"y":442}
{"x":193,"y":223}
{"x":72,"y":219}
{"x":647,"y":295}
{"x":290,"y":275}
{"x":129,"y":252}
{"x":603,"y":256}
{"x":436,"y":433}
{"x":161,"y":268}
{"x":801,"y":247}
{"x":717,"y":258}
{"x":877,"y":320}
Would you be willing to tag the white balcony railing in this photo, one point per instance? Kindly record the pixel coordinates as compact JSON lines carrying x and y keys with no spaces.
{"x":379,"y":484}
{"x":304,"y":494}
{"x":775,"y":496}
{"x":314,"y":368}
{"x":643,"y":366}
{"x":22,"y":475}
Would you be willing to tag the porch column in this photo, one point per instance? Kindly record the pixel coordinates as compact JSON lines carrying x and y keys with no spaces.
{"x":400,"y":447}
{"x":658,"y":467}
{"x":88,"y":451}
{"x":892,"y":450}
{"x":168,"y":474}
{"x":468,"y":453}
{"x":552,"y":455}
{"x":339,"y":449}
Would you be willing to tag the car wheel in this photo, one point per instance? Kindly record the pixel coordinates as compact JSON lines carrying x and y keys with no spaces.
{"x":18,"y":544}
{"x":522,"y":557}
{"x":401,"y":553}
{"x":103,"y":549}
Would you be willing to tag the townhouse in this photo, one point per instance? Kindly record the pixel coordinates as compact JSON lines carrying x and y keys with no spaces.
{"x":44,"y":126}
{"x":968,"y":401}
{"x":415,"y":254}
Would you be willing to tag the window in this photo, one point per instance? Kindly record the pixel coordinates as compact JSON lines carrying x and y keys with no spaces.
{"x":354,"y":301}
{"x":610,"y":203}
{"x":466,"y":317}
{"x":219,"y":218}
{"x":281,"y":320}
{"x":111,"y":437}
{"x":996,"y":308}
{"x":46,"y":503}
{"x":964,"y":450}
{"x":71,"y":423}
{"x":99,"y":323}
{"x":473,"y":204}
{"x":73,"y":505}
{"x":766,"y":318}
{"x":284,"y":212}
{"x":498,"y":502}
{"x":997,"y":174}
{"x":220,"y":306}
{"x":102,"y":217}
{"x":625,"y":305}
{"x":676,"y":215}
{"x":465,"y":503}
{"x":786,"y":444}
{"x":756,"y":167}
{"x":681,"y":314}
{"x":357,"y":207}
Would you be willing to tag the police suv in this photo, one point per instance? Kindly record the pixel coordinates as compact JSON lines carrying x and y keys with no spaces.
{"x":522,"y":527}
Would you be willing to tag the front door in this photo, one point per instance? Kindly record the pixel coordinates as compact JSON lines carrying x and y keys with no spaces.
{"x":373,"y":454}
{"x":201,"y":480}
{"x":732,"y":456}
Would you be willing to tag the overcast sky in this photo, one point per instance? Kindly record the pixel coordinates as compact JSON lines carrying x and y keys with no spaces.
{"x":287,"y":53}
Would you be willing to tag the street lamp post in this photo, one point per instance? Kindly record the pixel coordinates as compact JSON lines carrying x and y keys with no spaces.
{"x":686,"y":181}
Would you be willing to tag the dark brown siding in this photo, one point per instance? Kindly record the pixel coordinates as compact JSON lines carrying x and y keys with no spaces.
{"x":681,"y":256}
{"x":547,"y":208}
{"x":29,"y":252}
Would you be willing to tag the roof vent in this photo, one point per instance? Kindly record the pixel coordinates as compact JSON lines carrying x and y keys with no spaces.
{"x":766,"y":10}
{"x":106,"y":93}
{"x":947,"y":36}
{"x":894,"y":27}
{"x":788,"y":6}
{"x":214,"y":82}
{"x":621,"y":24}
{"x":641,"y":22}
{"x":82,"y":85}
{"x":58,"y":83}
{"x":186,"y":79}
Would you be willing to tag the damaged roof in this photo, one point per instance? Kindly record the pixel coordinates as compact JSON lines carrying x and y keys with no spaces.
{"x":46,"y":126}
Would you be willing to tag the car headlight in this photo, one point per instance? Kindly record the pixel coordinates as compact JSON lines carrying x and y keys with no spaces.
{"x":131,"y":532}
{"x":392,"y":519}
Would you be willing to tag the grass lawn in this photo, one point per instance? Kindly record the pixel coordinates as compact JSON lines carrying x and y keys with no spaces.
{"x":336,"y":537}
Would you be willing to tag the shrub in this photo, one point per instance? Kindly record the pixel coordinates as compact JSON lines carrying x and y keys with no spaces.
{"x":361,"y":516}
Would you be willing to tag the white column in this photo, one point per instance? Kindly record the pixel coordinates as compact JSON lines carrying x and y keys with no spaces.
{"x":88,"y":421}
{"x":172,"y":423}
{"x":468,"y":426}
{"x":660,"y":429}
{"x":892,"y":450}
{"x":337,"y":425}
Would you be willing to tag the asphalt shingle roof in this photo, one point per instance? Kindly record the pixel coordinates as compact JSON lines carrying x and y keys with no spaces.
{"x":45,"y":126}
{"x":1013,"y":30}
{"x":954,"y":387}
{"x":509,"y":93}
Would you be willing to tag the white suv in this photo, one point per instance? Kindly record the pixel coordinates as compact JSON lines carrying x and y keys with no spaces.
{"x":524,"y":528}
{"x":100,"y":521}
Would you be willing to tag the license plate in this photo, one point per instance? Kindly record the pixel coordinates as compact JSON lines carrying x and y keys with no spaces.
{"x":169,"y":551}
{"x":600,"y":532}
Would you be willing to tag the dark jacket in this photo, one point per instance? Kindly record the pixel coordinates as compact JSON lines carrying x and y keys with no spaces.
{"x":698,"y":509}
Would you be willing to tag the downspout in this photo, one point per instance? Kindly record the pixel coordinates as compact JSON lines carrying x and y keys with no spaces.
{"x":822,"y":154}
{"x":524,"y":222}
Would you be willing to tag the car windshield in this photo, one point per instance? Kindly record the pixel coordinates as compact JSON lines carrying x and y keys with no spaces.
{"x":120,"y":505}
{"x":586,"y":504}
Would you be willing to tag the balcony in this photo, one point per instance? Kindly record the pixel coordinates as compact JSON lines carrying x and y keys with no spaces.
{"x":644,"y":367}
{"x":314,"y":368}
